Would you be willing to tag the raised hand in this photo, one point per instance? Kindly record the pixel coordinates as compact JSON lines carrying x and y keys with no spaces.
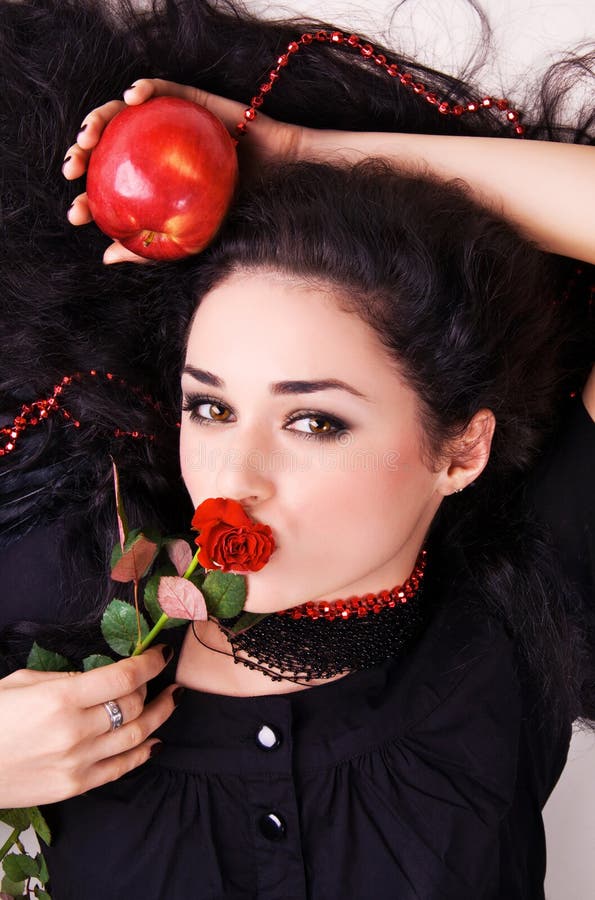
{"x":266,"y":140}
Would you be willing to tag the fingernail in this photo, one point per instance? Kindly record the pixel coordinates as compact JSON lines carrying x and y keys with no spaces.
{"x":156,"y":748}
{"x":65,"y":160}
{"x":83,"y":127}
{"x":168,"y":652}
{"x":177,"y":695}
{"x":130,"y":86}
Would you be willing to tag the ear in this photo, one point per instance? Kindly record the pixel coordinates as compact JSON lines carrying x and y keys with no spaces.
{"x":469,"y":455}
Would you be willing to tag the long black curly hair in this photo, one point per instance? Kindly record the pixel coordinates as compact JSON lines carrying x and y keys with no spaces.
{"x":474,"y":315}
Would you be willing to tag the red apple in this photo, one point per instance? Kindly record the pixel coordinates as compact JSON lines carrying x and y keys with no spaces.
{"x":162,"y":177}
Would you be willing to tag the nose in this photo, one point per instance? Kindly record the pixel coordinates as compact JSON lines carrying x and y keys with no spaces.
{"x":244,"y":472}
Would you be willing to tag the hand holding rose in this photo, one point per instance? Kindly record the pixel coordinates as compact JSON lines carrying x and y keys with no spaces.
{"x":56,"y":740}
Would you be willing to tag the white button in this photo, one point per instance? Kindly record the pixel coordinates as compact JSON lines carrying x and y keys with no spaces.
{"x":267,"y":738}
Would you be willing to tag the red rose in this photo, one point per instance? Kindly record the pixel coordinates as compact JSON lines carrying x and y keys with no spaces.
{"x":229,"y":539}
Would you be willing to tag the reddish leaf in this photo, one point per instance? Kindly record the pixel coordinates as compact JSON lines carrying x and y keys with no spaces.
{"x":122,"y":521}
{"x":134,"y":562}
{"x":180,"y":599}
{"x":180,"y":554}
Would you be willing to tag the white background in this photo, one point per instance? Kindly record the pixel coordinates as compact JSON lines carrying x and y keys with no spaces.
{"x":527,"y":34}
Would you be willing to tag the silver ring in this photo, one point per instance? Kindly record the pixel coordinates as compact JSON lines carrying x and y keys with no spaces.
{"x":115,"y":714}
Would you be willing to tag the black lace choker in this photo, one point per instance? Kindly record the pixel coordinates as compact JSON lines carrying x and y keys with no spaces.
{"x":317,"y":641}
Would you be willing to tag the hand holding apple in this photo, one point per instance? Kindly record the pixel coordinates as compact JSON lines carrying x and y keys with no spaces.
{"x":266,"y":140}
{"x":162,"y":177}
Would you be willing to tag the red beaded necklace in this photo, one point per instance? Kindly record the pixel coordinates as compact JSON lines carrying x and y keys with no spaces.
{"x":407,"y":79}
{"x":361,"y":606}
{"x":38,"y":411}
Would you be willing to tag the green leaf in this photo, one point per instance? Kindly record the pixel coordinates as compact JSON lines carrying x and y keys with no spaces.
{"x":45,"y":661}
{"x":247,"y":620}
{"x":96,"y":661}
{"x":40,"y":825}
{"x":198,"y":578}
{"x":16,"y":818}
{"x":119,"y":627}
{"x":150,"y":597}
{"x":43,"y":895}
{"x":43,"y":869}
{"x":224,"y":593}
{"x":20,"y":865}
{"x":12,"y":888}
{"x":137,"y":557}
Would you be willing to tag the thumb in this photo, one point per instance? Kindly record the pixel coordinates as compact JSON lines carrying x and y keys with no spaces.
{"x":116,"y":253}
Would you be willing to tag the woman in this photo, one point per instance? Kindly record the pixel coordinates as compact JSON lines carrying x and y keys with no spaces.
{"x":405,"y":290}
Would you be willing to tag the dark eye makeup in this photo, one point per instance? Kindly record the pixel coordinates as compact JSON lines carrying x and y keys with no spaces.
{"x":329,"y":424}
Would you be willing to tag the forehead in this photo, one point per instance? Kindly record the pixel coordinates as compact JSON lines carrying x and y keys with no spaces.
{"x":257,"y":328}
{"x":279,"y":317}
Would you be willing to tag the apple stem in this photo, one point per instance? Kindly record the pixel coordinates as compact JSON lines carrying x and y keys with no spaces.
{"x":149,"y":238}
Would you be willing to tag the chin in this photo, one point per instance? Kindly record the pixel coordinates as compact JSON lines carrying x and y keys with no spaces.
{"x":266,"y":594}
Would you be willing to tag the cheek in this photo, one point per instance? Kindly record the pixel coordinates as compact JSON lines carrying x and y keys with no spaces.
{"x":361,"y":498}
{"x":192,"y":466}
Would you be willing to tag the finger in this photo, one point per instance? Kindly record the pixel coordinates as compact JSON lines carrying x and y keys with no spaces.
{"x":116,"y":253}
{"x":138,"y":729}
{"x":96,"y":720}
{"x":75,"y":162}
{"x":79,"y":212}
{"x":117,"y":766}
{"x":229,"y":111}
{"x":145,"y":88}
{"x":117,"y":679}
{"x":94,"y":122}
{"x":28,"y":677}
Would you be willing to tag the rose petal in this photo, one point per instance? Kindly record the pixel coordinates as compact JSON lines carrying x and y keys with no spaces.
{"x":219,"y":510}
{"x":180,"y":599}
{"x":242,"y":549}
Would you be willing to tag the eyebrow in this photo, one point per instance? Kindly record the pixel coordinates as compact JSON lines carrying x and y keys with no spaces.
{"x":279,"y":387}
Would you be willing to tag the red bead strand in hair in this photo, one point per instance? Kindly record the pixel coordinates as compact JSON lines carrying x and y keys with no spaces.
{"x":361,"y":606}
{"x":407,"y":79}
{"x":38,"y":411}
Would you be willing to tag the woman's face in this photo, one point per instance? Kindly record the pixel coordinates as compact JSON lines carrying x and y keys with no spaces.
{"x":294,"y":411}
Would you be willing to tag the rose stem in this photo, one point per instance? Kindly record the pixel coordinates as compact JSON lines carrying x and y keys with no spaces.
{"x":138,"y":626}
{"x":11,"y":840}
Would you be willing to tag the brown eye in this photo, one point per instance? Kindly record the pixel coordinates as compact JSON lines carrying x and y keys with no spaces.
{"x":319,"y":426}
{"x":217,"y":412}
{"x":309,"y":423}
{"x":314,"y":425}
{"x":207,"y":410}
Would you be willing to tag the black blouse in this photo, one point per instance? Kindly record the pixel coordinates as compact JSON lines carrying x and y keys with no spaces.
{"x":422,"y":779}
